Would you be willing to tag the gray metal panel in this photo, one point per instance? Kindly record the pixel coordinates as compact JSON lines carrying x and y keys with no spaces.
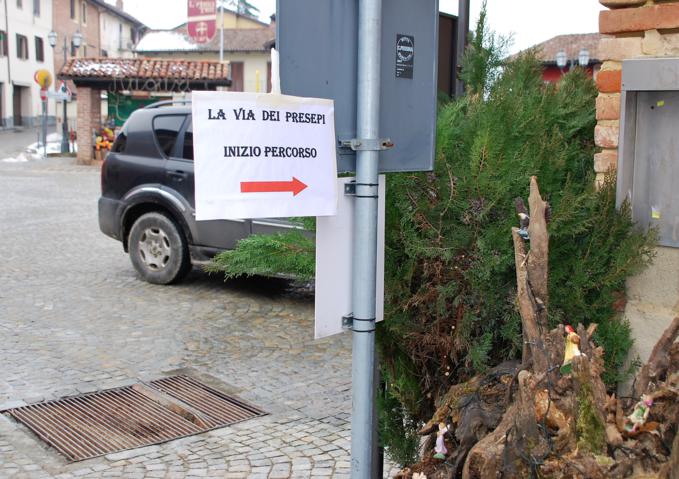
{"x":650,"y":74}
{"x":627,"y":139}
{"x":408,"y":107}
{"x":655,"y":190}
{"x":317,"y":41}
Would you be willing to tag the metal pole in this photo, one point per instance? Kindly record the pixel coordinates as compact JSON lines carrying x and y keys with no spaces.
{"x":9,"y":72}
{"x":44,"y":127}
{"x":462,"y":37}
{"x":365,"y":239}
{"x":65,"y":148}
{"x":221,"y":33}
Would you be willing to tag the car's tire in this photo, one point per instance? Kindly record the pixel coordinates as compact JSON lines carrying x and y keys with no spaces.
{"x":158,"y":249}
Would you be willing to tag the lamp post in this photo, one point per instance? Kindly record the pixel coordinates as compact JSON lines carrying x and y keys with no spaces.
{"x":76,"y":41}
{"x":562,"y":59}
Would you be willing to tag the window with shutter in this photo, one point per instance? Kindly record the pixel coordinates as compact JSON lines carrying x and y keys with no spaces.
{"x":39,"y":49}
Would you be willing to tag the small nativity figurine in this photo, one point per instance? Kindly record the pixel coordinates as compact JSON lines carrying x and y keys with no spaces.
{"x":640,"y":414}
{"x":440,"y":448}
{"x":524,"y":218}
{"x":572,"y":350}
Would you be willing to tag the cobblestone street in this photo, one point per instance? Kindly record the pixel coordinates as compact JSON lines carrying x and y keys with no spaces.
{"x":74,"y":318}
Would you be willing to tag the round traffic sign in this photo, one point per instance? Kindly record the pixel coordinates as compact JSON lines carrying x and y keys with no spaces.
{"x":43,"y":78}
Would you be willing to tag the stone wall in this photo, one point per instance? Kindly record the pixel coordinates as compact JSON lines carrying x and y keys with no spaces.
{"x":638,"y":28}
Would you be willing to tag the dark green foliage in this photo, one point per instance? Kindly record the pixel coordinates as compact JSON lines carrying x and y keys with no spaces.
{"x":442,"y":99}
{"x":247,"y":8}
{"x":592,"y":268}
{"x":290,"y":254}
{"x":242,"y":7}
{"x":398,"y":428}
{"x":451,"y":284}
{"x":481,"y":64}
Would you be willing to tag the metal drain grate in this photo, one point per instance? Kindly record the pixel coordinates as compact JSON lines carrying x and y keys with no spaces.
{"x":223,"y":408}
{"x":126,"y":418}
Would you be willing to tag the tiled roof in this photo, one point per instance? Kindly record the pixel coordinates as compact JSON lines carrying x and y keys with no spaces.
{"x":571,"y":44}
{"x":235,"y":40}
{"x":142,"y":68}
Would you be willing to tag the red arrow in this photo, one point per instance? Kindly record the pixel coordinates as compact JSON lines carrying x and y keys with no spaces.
{"x":295,"y":186}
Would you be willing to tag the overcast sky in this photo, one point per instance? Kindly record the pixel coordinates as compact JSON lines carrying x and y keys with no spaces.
{"x":529,"y":21}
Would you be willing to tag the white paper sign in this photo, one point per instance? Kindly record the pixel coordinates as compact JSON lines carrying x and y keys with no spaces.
{"x":263,"y":156}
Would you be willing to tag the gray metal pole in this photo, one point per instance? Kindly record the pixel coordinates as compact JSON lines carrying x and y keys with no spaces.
{"x":44,"y":127}
{"x":365,"y":239}
{"x":221,"y":33}
{"x":65,"y":145}
{"x":9,"y":70}
{"x":462,"y":37}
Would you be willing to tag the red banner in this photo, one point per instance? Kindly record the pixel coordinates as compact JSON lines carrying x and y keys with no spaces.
{"x":202,"y":16}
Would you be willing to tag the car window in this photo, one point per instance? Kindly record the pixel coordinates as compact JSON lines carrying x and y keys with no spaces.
{"x":166,"y":128}
{"x":188,"y":142}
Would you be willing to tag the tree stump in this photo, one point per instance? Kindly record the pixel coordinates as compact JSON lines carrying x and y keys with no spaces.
{"x":529,"y":420}
{"x":532,"y":270}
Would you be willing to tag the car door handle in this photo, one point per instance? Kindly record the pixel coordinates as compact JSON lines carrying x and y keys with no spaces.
{"x":178,"y":175}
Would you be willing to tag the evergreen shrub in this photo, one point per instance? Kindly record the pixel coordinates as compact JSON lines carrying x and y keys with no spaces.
{"x":451,"y":285}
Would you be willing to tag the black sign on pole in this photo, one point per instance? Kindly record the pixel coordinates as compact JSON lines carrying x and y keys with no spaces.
{"x":405,"y":56}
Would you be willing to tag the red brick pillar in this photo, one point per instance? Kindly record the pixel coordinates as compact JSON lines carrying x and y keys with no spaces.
{"x":89,"y":120}
{"x":636,"y":29}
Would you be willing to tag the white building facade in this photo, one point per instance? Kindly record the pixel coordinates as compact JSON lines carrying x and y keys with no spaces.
{"x":24,"y":49}
{"x":119,"y":32}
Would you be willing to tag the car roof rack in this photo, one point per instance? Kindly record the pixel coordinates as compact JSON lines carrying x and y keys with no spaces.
{"x":165,"y":102}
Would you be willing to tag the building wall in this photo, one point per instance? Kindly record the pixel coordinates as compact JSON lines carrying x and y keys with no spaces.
{"x":639,"y":28}
{"x":231,"y":20}
{"x":23,"y":21}
{"x":111,"y":27}
{"x":87,"y":25}
{"x":65,"y":26}
{"x":252,"y":63}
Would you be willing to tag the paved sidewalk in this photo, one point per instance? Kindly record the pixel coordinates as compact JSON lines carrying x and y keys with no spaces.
{"x":13,"y":142}
{"x":74,"y":318}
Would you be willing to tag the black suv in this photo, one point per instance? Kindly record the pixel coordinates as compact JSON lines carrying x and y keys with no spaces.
{"x":147,"y":198}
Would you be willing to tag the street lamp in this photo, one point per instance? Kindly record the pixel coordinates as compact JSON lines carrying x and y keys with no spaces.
{"x":76,"y":41}
{"x":562,"y":59}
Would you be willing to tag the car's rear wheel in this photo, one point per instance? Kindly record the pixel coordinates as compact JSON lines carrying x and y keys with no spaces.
{"x":158,"y":249}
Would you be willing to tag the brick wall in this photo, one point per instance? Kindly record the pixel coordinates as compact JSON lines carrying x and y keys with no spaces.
{"x":89,"y":114}
{"x":638,"y":28}
{"x":64,"y":25}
